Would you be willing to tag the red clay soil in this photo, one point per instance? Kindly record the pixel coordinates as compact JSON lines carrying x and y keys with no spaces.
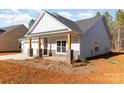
{"x":108,"y":71}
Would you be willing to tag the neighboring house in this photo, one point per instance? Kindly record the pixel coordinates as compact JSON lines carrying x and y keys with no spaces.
{"x":58,"y":35}
{"x":9,"y":37}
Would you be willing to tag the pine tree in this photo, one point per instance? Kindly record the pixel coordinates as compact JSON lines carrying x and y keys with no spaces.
{"x":119,"y":21}
{"x":109,"y":20}
{"x":31,"y":22}
{"x":98,"y":14}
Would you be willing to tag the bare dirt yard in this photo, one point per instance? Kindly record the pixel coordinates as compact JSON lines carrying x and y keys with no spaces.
{"x":106,"y":69}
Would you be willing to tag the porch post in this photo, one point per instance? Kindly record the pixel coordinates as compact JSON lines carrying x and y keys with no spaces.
{"x":50,"y":46}
{"x":69,"y":41}
{"x":70,"y":51}
{"x":30,"y":45}
{"x":39,"y":50}
{"x":39,"y":42}
{"x":42,"y":38}
{"x":30,"y":50}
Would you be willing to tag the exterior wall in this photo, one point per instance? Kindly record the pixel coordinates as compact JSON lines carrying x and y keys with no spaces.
{"x":96,"y":33}
{"x":25,"y":46}
{"x":48,"y":23}
{"x":52,"y":42}
{"x":9,"y":40}
{"x":35,"y":46}
{"x":74,"y":42}
{"x":75,"y":46}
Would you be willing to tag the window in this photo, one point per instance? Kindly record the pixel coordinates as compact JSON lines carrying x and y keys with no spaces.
{"x":96,"y":49}
{"x":58,"y":46}
{"x":97,"y":44}
{"x":61,"y":46}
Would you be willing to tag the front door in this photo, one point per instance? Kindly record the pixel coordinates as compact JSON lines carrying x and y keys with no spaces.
{"x":45,"y":45}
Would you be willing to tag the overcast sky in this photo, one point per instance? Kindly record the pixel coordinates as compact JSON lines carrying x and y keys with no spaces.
{"x":23,"y":16}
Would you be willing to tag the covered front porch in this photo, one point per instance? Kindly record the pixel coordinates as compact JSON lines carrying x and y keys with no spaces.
{"x":57,"y":45}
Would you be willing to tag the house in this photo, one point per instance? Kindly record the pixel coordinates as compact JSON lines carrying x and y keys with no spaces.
{"x":55,"y":35}
{"x":9,"y":37}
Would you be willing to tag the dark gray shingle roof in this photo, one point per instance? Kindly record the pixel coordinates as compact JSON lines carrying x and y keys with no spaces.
{"x":69,"y":23}
{"x":87,"y":23}
{"x":9,"y":28}
{"x":80,"y":25}
{"x":12,"y":27}
{"x":77,"y":26}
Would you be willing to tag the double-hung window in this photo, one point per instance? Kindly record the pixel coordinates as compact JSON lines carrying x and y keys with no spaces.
{"x":58,"y":46}
{"x":61,"y":46}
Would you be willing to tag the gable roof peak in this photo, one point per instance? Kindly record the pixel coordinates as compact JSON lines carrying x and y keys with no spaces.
{"x":86,"y":24}
{"x":67,"y":22}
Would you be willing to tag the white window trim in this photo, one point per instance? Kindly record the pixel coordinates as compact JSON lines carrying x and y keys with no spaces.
{"x":56,"y":46}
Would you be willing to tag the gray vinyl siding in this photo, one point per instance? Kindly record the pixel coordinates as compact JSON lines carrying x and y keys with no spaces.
{"x":96,"y":33}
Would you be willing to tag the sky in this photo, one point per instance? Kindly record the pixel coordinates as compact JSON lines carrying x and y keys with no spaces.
{"x":10,"y":17}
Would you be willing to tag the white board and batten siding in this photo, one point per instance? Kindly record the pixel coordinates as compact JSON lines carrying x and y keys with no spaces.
{"x":48,"y":23}
{"x":96,"y":34}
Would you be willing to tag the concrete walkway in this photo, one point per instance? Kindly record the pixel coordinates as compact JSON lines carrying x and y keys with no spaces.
{"x":20,"y":56}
